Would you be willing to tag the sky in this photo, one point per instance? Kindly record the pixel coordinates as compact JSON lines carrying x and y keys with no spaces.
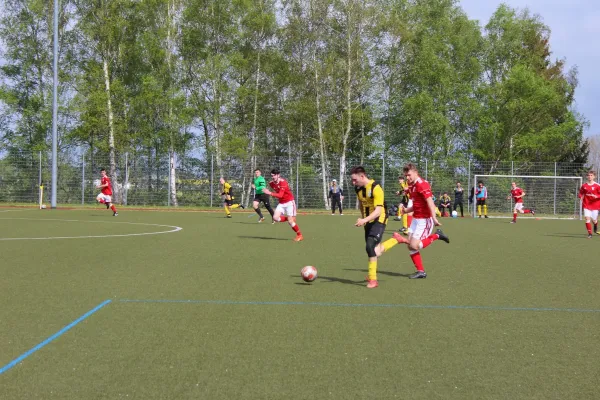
{"x":575,"y":37}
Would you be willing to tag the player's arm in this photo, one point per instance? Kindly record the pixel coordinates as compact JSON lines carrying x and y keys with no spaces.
{"x":378,"y":203}
{"x":433,"y":210}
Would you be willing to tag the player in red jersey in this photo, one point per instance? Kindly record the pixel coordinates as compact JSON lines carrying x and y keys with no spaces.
{"x":424,"y":219}
{"x":517,"y":194}
{"x":287,"y":204}
{"x":106,"y":196}
{"x":589,"y":193}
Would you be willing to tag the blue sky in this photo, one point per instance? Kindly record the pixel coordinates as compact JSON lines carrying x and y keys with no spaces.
{"x":575,"y":36}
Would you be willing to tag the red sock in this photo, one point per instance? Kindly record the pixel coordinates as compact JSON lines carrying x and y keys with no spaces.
{"x":429,"y":239}
{"x":282,"y":219}
{"x":514,"y":216}
{"x":296,"y":229}
{"x":112,"y":207}
{"x":588,"y":226}
{"x":416,"y":257}
{"x":409,"y":220}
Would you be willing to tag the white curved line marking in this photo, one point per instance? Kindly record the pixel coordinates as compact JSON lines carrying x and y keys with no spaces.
{"x":175,"y":229}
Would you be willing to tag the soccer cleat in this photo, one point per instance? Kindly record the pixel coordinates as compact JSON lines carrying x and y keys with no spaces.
{"x":107,"y":206}
{"x":298,"y":238}
{"x":486,"y":216}
{"x":273,"y":223}
{"x":372,"y":284}
{"x":341,"y":213}
{"x":397,"y":219}
{"x":242,"y":207}
{"x":261,"y":219}
{"x":480,"y":216}
{"x":399,"y":238}
{"x":589,"y":235}
{"x":532,"y":212}
{"x":418,"y":275}
{"x":442,"y":236}
{"x":115,"y":214}
{"x":513,"y":222}
{"x":597,"y":233}
{"x":228,"y":216}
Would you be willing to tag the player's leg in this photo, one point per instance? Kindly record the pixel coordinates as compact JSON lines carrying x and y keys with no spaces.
{"x":114,"y":209}
{"x":588,"y":221}
{"x":226,"y":207}
{"x":462,"y":213}
{"x":479,"y":208}
{"x":518,"y":208}
{"x":422,"y":237}
{"x":290,"y":211}
{"x":256,"y":207}
{"x":266,"y":201}
{"x":484,"y":209}
{"x":373,"y":235}
{"x":277,"y":215}
{"x":594,"y":219}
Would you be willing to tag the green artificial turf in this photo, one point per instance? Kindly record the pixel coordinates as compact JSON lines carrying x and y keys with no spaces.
{"x":218,"y":309}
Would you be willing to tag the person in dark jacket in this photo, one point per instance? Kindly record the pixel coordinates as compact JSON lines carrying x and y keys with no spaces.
{"x":458,"y":198}
{"x":337,"y":196}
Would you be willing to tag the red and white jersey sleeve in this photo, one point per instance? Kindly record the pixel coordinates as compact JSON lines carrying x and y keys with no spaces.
{"x":590,"y":193}
{"x":420,"y":191}
{"x":281,"y":190}
{"x":108,"y":189}
{"x":517,"y":192}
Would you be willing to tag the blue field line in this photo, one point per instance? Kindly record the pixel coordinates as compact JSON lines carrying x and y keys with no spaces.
{"x":51,"y":338}
{"x":418,"y":306}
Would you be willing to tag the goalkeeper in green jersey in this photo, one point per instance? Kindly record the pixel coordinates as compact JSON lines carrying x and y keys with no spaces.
{"x":258,"y":185}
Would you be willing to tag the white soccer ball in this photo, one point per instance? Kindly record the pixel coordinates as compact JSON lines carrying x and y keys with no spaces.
{"x":309,"y":273}
{"x":454,"y":214}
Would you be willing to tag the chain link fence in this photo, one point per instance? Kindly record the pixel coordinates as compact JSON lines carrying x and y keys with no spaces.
{"x":144,"y":179}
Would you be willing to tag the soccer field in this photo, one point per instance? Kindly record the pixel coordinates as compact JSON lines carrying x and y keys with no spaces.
{"x":191,"y":305}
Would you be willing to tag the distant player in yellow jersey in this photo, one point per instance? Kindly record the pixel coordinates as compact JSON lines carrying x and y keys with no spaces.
{"x":374,"y":219}
{"x":228,"y":202}
{"x":403,"y":192}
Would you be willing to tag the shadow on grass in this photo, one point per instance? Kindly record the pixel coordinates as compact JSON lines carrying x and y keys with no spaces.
{"x":567,"y":235}
{"x":387,"y":273}
{"x":332,"y":279}
{"x":262,"y":238}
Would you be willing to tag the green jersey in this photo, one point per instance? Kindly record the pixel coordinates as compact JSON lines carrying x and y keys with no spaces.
{"x":259,"y":184}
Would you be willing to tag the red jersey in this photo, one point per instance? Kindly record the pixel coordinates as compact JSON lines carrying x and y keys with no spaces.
{"x":281,"y":190}
{"x":517,"y":192}
{"x":590,"y":195}
{"x":419,"y":192}
{"x":106,"y":190}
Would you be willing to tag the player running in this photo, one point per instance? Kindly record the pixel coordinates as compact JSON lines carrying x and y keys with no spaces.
{"x":287,"y":204}
{"x":517,"y":194}
{"x":404,"y":202}
{"x":228,"y":203}
{"x":259,"y":185}
{"x":374,"y":219}
{"x":589,"y":193}
{"x":106,"y":196}
{"x":423,"y":222}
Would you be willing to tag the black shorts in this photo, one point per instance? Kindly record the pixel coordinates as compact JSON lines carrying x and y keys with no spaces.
{"x":374,"y":230}
{"x":229,"y":202}
{"x":262,"y":197}
{"x":481,"y":202}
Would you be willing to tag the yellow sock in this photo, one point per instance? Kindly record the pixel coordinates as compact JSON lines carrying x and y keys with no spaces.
{"x":373,"y":270}
{"x":388,"y":244}
{"x":485,"y":210}
{"x":405,"y":220}
{"x":227,"y":210}
{"x":478,"y":210}
{"x":234,"y":206}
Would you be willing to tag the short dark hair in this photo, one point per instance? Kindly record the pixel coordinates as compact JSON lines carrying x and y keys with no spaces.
{"x":102,"y":169}
{"x":257,"y":169}
{"x":591,"y":171}
{"x":410,"y":167}
{"x":275,"y":171}
{"x":359,"y":169}
{"x":480,"y":182}
{"x":401,"y":177}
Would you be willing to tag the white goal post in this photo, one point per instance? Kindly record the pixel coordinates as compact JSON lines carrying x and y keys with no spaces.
{"x":551,"y":197}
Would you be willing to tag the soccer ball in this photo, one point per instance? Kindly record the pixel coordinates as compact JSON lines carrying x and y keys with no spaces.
{"x":309,"y":273}
{"x":454,"y":214}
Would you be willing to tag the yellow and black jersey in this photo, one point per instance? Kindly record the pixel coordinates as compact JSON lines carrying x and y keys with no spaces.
{"x":227,"y":191}
{"x":371,"y":196}
{"x":404,"y":193}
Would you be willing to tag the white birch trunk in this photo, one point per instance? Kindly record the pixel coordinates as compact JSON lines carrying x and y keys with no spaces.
{"x":172,"y":167}
{"x":320,"y":129}
{"x":111,"y":133}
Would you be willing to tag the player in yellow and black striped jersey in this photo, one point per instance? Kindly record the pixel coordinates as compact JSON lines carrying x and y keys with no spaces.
{"x":228,"y":202}
{"x":374,"y":219}
{"x":405,"y":197}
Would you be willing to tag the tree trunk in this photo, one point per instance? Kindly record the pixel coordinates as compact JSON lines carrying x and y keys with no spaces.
{"x":320,"y":129}
{"x":111,"y":134}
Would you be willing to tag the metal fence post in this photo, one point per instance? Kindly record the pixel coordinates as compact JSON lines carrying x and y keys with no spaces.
{"x":83,"y":178}
{"x":297,"y":180}
{"x":554,"y":188}
{"x":40,"y":171}
{"x":383,"y":169}
{"x":212,"y":171}
{"x":169,"y":181}
{"x":126,"y":186}
{"x":468,"y":188}
{"x":426,"y":170}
